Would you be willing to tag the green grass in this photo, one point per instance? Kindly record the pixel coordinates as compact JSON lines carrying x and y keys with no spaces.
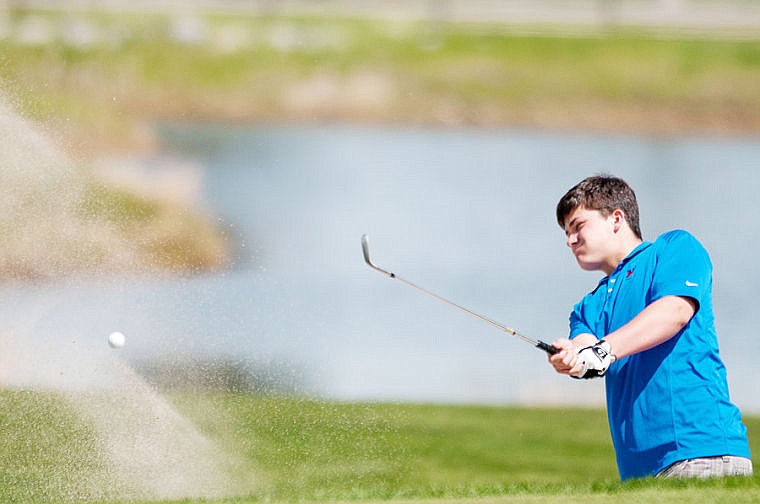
{"x":310,"y":450}
{"x":341,"y":451}
{"x":46,"y":453}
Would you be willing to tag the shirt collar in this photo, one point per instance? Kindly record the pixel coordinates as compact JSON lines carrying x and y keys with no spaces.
{"x":639,"y":249}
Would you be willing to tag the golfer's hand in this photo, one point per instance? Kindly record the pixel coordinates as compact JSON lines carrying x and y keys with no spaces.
{"x":566,"y":360}
{"x":593,"y":361}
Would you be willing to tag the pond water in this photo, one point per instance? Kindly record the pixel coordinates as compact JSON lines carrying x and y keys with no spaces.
{"x":465,"y":213}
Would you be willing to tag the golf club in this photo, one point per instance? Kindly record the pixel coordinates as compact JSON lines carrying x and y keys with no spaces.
{"x":546,"y":347}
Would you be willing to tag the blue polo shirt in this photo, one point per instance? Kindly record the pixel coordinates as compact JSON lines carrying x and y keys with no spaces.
{"x":671,"y":402}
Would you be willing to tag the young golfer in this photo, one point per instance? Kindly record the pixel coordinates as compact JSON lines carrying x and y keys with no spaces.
{"x":648,"y":328}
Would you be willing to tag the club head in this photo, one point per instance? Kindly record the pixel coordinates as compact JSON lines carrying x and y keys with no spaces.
{"x":365,"y":249}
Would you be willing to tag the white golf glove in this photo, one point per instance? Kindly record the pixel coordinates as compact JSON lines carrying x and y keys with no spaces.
{"x":595,"y":360}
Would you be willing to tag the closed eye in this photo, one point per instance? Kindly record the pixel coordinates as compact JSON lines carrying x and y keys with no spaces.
{"x":574,"y":227}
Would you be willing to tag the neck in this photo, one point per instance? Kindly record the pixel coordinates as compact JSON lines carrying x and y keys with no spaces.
{"x":626,"y":247}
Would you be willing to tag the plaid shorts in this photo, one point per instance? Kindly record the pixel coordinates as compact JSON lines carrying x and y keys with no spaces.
{"x":708,"y":467}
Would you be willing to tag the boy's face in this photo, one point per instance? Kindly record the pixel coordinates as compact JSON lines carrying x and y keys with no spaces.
{"x":591,"y":237}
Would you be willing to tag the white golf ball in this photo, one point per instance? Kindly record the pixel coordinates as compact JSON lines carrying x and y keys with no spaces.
{"x":116,"y":339}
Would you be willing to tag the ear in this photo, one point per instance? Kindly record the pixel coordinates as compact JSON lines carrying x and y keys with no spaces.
{"x":618,"y":219}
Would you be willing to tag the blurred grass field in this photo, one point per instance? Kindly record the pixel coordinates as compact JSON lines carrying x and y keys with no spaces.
{"x":307,"y":450}
{"x":103,"y":78}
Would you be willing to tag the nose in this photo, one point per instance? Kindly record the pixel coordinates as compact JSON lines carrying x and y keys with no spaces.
{"x":572,"y":239}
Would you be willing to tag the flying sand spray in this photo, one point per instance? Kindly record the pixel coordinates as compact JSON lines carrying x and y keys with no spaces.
{"x":156,"y":452}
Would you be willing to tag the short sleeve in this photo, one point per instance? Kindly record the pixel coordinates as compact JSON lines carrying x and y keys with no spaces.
{"x":582,"y":315}
{"x":683,"y":268}
{"x":578,"y":324}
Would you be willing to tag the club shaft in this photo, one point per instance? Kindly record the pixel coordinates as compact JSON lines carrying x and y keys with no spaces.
{"x":536,"y":343}
{"x":462,"y":308}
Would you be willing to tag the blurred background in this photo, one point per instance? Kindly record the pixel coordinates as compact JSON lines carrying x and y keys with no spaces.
{"x":197,"y":175}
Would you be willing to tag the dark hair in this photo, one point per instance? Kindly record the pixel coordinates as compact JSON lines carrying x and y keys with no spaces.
{"x":604,"y":193}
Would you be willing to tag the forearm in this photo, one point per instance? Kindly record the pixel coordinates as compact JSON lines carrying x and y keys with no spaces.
{"x":656,"y":324}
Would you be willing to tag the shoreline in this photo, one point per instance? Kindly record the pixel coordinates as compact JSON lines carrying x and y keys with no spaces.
{"x":142,"y":141}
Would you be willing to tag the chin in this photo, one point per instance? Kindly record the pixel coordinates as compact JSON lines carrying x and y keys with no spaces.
{"x":587,"y":266}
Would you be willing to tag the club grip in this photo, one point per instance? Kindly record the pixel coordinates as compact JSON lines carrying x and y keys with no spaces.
{"x":546,"y":347}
